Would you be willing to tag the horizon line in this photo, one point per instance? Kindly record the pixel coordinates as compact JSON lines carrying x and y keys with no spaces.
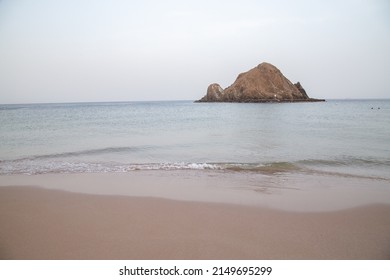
{"x":165,"y":100}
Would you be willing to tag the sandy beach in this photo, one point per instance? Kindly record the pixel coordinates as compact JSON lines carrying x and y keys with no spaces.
{"x":39,"y":223}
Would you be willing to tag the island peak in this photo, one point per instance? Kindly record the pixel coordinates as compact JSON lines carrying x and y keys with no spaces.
{"x":264,"y":83}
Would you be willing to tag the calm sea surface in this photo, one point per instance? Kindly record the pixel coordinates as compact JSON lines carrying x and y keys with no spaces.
{"x":337,"y":137}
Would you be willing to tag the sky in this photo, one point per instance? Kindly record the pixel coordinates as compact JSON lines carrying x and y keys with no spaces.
{"x":124,"y":50}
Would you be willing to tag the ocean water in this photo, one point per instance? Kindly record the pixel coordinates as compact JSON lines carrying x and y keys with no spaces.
{"x":348,"y":138}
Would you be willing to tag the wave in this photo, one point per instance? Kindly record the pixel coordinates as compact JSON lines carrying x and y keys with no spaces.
{"x":271,"y":167}
{"x":346,"y":161}
{"x":89,"y":152}
{"x":51,"y":164}
{"x":234,"y":166}
{"x":32,"y":168}
{"x":72,"y":162}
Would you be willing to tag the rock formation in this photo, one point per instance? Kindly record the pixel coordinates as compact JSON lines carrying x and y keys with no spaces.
{"x":264,"y":83}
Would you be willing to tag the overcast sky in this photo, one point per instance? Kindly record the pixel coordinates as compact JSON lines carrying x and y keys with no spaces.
{"x":123,"y":50}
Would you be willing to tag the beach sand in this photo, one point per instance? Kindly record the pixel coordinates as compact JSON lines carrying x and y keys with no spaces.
{"x":37,"y":223}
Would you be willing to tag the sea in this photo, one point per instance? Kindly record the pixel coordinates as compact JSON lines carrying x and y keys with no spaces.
{"x":342,"y":138}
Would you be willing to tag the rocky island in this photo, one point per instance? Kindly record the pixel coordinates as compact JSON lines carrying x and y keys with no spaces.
{"x":264,"y":83}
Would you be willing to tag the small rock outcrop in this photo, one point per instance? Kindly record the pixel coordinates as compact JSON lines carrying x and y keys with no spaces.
{"x":264,"y":83}
{"x":301,"y":89}
{"x":214,"y":92}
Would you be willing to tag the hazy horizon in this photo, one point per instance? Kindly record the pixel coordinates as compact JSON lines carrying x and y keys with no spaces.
{"x":113,"y":51}
{"x":168,"y":100}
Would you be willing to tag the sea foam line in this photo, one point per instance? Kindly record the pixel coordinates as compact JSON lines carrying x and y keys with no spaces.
{"x":32,"y":167}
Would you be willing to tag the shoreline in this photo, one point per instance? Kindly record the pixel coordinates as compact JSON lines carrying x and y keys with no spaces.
{"x":280,"y":191}
{"x":39,"y":223}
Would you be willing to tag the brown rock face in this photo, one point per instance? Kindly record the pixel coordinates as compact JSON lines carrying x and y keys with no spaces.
{"x":264,"y":83}
{"x":301,"y":89}
{"x":214,"y":92}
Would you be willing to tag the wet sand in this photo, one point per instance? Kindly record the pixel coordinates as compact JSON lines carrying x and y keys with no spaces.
{"x":37,"y":223}
{"x":285,"y":191}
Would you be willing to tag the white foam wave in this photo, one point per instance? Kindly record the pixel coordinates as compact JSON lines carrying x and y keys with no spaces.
{"x":34,"y":167}
{"x":171,"y":166}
